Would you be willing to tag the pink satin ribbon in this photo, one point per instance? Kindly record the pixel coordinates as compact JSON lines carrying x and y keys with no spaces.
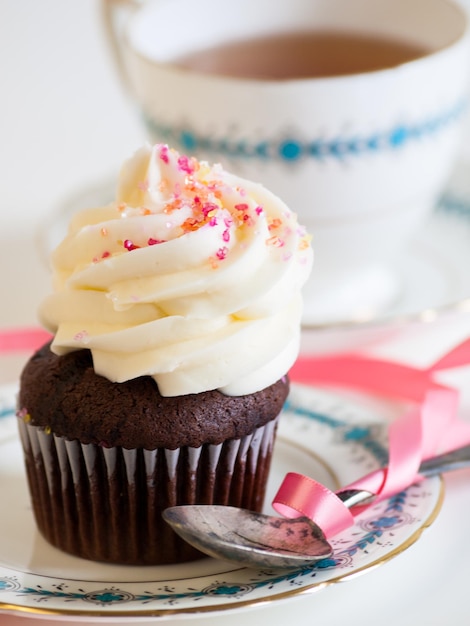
{"x":430,"y":426}
{"x":22,"y":339}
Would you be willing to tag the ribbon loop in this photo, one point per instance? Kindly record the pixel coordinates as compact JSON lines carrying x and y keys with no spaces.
{"x":302,"y":495}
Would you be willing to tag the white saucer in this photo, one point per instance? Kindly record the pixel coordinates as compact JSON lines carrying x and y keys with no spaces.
{"x":433,"y":271}
{"x":332,"y":437}
{"x":435,"y":281}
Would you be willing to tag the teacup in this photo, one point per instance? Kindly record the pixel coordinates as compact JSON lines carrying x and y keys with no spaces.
{"x":361,"y":151}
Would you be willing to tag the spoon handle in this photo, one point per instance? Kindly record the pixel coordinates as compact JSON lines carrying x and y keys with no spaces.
{"x":456,"y":459}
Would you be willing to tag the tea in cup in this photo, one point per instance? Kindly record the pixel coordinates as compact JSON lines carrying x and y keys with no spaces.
{"x":350,"y":110}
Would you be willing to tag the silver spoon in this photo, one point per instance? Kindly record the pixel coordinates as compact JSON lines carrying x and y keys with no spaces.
{"x":266,"y":541}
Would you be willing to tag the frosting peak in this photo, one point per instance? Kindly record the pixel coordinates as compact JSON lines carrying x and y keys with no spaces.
{"x":192,"y":276}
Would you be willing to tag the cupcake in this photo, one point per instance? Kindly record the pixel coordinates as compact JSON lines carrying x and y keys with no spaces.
{"x":175,"y":318}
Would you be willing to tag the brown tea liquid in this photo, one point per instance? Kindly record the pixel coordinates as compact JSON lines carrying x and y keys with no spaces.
{"x":301,"y":55}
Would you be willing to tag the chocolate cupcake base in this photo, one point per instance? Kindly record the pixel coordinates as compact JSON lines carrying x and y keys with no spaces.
{"x":105,"y":504}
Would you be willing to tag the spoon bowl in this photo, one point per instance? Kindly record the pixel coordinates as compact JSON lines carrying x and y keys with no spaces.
{"x":249,"y":538}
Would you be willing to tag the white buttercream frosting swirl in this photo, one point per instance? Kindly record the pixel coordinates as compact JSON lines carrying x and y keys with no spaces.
{"x":192,"y":276}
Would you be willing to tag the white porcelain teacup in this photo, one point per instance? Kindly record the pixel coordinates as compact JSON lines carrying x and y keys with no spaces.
{"x":361,"y":157}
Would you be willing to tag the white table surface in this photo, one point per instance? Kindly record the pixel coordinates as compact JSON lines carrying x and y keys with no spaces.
{"x":65,"y":124}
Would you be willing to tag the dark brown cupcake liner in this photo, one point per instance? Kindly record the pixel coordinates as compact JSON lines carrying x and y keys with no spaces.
{"x":105,"y":504}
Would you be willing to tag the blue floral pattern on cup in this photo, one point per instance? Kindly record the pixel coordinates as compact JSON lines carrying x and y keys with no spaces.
{"x":290,"y":149}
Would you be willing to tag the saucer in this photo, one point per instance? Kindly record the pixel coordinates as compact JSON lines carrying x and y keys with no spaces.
{"x":332,"y":437}
{"x":434,"y":278}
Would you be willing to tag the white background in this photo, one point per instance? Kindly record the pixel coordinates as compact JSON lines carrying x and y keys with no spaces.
{"x":65,"y":124}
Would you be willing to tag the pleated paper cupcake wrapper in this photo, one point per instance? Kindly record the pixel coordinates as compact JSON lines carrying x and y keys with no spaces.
{"x":105,"y":504}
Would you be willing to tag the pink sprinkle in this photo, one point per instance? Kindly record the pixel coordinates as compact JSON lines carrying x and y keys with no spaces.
{"x":128,"y":245}
{"x":213,"y":221}
{"x":164,"y":154}
{"x":208,"y":208}
{"x":221,"y":253}
{"x":228,"y":221}
{"x":226,"y":235}
{"x":153,"y":242}
{"x":185,"y":165}
{"x":105,"y":254}
{"x":241,"y":207}
{"x":259,"y":210}
{"x":83,"y":334}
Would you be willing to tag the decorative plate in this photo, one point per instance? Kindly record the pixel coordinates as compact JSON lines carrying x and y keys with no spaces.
{"x":334,"y":438}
